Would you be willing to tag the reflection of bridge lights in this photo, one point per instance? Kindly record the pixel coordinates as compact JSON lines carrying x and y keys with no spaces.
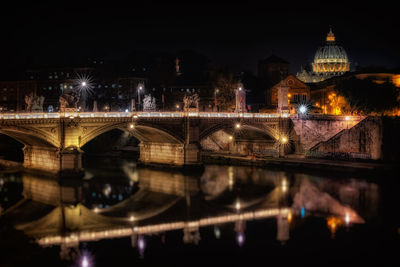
{"x":333,"y":223}
{"x":284,"y":185}
{"x":347,"y":218}
{"x":289,"y":216}
{"x":302,"y":212}
{"x":240,"y":238}
{"x":107,"y":190}
{"x":217,"y":232}
{"x":141,"y":245}
{"x":85,"y":262}
{"x":237,"y":206}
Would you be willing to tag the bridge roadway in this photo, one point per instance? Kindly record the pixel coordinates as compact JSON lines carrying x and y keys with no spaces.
{"x":53,"y":141}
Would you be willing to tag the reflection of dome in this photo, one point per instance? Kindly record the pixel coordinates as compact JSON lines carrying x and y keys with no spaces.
{"x":331,"y":58}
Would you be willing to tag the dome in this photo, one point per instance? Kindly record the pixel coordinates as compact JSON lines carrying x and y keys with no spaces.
{"x":331,"y":58}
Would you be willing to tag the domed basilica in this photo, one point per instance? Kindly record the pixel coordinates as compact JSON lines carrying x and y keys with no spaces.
{"x":330,"y":60}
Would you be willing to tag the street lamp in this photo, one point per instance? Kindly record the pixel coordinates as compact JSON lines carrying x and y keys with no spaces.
{"x":140,"y":88}
{"x":303,"y":109}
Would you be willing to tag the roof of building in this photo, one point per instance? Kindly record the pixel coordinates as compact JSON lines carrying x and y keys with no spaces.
{"x":274,"y":59}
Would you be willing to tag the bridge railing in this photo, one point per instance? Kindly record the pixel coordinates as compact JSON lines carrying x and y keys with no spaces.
{"x":56,"y":115}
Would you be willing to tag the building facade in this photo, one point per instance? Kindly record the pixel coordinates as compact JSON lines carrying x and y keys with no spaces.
{"x":298,"y":92}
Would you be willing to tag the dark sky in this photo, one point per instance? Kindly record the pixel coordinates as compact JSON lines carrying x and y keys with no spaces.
{"x":237,"y":34}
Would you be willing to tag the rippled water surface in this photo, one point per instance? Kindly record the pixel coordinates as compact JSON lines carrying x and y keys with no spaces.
{"x":123,"y":215}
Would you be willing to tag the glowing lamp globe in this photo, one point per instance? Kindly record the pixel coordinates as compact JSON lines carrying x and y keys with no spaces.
{"x":303,"y":109}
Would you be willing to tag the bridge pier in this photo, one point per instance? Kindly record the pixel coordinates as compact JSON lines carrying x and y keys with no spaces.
{"x":176,"y":155}
{"x":53,"y":160}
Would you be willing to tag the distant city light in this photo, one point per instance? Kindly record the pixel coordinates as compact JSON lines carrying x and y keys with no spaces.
{"x":347,"y":118}
{"x":84,"y":84}
{"x":131,"y":126}
{"x":126,"y":110}
{"x":284,"y":140}
{"x":237,"y":125}
{"x":240,"y":88}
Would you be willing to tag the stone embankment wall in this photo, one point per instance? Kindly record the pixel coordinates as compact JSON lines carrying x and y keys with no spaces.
{"x":313,"y":129}
{"x":373,"y":138}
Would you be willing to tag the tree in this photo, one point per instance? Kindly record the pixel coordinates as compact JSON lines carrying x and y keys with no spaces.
{"x":366,"y":96}
{"x":225,"y":83}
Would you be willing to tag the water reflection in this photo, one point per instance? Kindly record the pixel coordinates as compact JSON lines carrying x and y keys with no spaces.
{"x":145,"y":202}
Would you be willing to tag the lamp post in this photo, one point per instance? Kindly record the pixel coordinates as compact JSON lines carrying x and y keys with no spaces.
{"x":140,"y":88}
{"x":215,"y":98}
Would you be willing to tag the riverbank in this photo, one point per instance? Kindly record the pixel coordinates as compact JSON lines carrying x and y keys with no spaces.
{"x":362,"y":168}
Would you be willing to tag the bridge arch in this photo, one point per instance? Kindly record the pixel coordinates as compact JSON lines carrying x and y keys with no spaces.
{"x":141,"y":131}
{"x":230,"y":128}
{"x":30,"y":136}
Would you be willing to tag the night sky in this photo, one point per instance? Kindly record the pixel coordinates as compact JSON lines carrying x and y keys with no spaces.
{"x":235,"y":34}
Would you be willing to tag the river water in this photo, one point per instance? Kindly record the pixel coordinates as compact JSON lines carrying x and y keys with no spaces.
{"x":120,"y":214}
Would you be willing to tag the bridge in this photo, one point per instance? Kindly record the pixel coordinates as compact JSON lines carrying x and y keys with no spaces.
{"x":53,"y":141}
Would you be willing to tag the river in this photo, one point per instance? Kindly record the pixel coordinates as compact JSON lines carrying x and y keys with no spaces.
{"x":120,"y":214}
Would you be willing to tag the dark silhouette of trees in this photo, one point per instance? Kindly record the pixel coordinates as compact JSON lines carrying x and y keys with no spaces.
{"x":225,"y":83}
{"x":367,"y":96}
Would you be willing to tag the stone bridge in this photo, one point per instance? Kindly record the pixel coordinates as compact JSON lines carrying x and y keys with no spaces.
{"x":53,"y":141}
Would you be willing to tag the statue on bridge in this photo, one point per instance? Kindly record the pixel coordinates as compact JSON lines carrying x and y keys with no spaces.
{"x":149,"y":103}
{"x":191,"y":103}
{"x":34,"y":103}
{"x":69,"y":102}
